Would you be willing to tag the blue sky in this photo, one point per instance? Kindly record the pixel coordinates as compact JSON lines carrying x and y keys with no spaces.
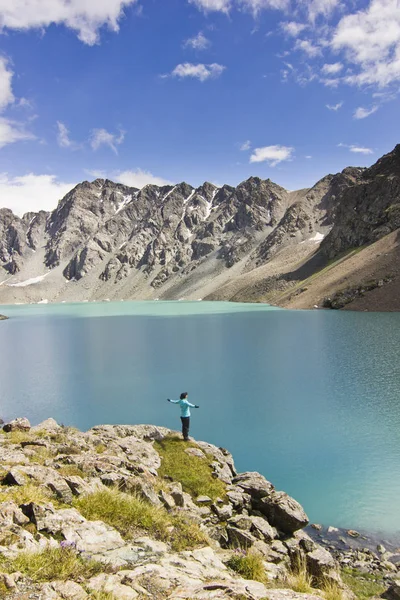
{"x":145,"y":91}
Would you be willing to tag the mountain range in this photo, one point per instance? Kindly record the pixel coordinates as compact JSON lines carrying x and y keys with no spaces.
{"x":334,"y":245}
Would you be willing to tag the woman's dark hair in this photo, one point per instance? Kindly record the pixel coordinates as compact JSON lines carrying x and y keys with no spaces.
{"x":184,"y":395}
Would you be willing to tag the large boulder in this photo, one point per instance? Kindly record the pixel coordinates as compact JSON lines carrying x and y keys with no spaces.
{"x":283,"y":512}
{"x":20,"y":424}
{"x":253,"y":484}
{"x":322,"y":566}
{"x":49,"y":426}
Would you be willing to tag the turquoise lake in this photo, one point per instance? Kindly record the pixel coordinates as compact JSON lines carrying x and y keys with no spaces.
{"x":311,"y":399}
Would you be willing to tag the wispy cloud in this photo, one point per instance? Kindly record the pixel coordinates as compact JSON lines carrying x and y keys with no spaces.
{"x":363,"y":113}
{"x":86,"y":18}
{"x":357,"y":149}
{"x":292,"y":28}
{"x":6,"y":75}
{"x":139,"y":178}
{"x":334,"y":107}
{"x":102,"y":137}
{"x":245,"y":146}
{"x":198,"y":42}
{"x":332,"y":68}
{"x":212,"y":5}
{"x":133,"y":177}
{"x":13,"y":131}
{"x":308,"y":48}
{"x":273,"y":155}
{"x":200,"y":71}
{"x":253,"y":6}
{"x":63,"y":139}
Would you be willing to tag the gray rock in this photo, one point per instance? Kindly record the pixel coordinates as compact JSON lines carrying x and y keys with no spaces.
{"x":240,"y":538}
{"x":393,"y":591}
{"x":111,"y":584}
{"x":262,"y":529}
{"x":61,"y":489}
{"x":203,"y":500}
{"x":238,"y":498}
{"x":11,"y":514}
{"x":167,"y":500}
{"x":321,"y":564}
{"x":20,"y":424}
{"x":15,"y":477}
{"x":81,"y":487}
{"x":241,"y":522}
{"x":195,"y":452}
{"x":283,"y":512}
{"x":67,"y":590}
{"x":49,"y":426}
{"x":223,"y":512}
{"x":253,"y":484}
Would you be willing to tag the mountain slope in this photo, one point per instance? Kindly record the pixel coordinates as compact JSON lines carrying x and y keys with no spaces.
{"x":253,"y":242}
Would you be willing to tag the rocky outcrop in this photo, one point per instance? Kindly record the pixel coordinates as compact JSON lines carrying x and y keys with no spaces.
{"x":368,"y":210}
{"x":59,"y":467}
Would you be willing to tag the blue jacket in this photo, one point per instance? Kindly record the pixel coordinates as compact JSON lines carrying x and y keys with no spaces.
{"x":184,"y":404}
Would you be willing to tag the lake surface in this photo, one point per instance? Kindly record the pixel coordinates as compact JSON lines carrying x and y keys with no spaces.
{"x":311,"y":399}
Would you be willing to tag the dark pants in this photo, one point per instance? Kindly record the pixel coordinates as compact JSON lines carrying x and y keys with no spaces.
{"x":185,"y":427}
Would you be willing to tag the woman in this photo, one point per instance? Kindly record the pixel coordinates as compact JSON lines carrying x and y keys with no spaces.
{"x":185,"y":413}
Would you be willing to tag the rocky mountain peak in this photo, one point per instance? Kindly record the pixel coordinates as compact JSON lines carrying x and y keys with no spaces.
{"x":171,"y":240}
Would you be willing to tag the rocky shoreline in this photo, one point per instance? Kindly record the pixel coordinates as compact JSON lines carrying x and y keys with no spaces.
{"x":123,"y":512}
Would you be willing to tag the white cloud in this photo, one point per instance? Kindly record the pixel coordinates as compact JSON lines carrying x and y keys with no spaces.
{"x":361,"y":150}
{"x":63,"y":139}
{"x":198,"y":42}
{"x":308,"y":156}
{"x":212,"y":5}
{"x":357,"y":149}
{"x":31,"y":192}
{"x":102,"y":137}
{"x":6,"y":75}
{"x":245,"y":146}
{"x":13,"y":131}
{"x":308,"y":47}
{"x":271,"y":154}
{"x":334,"y":106}
{"x":362,"y":113}
{"x":331,"y":82}
{"x":199,"y":71}
{"x":86,"y":17}
{"x":370,"y":39}
{"x":315,"y":8}
{"x":255,"y":6}
{"x":332,"y":68}
{"x":139,"y":178}
{"x":292,"y":28}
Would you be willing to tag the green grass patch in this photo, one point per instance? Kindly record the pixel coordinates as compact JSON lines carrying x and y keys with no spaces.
{"x":52,"y":564}
{"x":17,"y":437}
{"x":100,"y":448}
{"x":71,"y":471}
{"x":130,"y":514}
{"x":248,"y":564}
{"x":364,"y":585}
{"x":4,"y":592}
{"x":41,"y":455}
{"x":298,"y":578}
{"x":193,"y":472}
{"x":23,"y":494}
